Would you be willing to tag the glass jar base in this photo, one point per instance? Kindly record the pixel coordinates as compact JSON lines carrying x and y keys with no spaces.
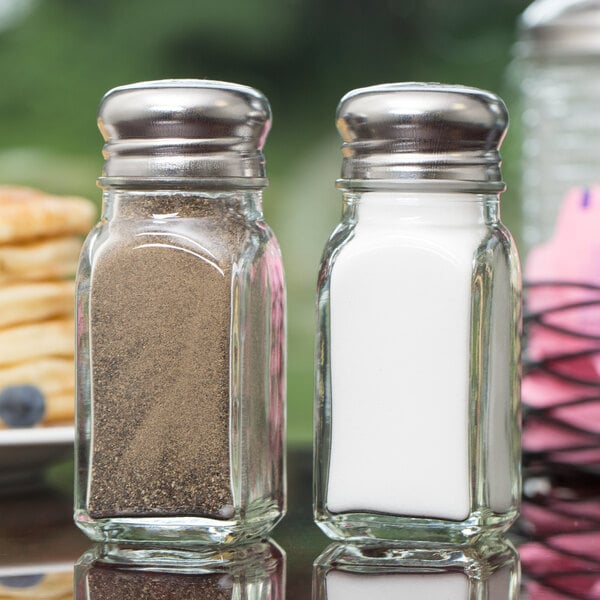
{"x":371,"y":528}
{"x":185,"y":559}
{"x":177,"y":531}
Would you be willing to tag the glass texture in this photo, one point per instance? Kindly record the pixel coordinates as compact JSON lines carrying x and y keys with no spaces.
{"x":180,"y":354}
{"x":561,"y":138}
{"x":347,"y":571}
{"x":557,"y":539}
{"x":247,"y":572}
{"x":561,"y":221}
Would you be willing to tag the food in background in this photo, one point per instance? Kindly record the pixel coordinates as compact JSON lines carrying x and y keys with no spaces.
{"x":40,"y":241}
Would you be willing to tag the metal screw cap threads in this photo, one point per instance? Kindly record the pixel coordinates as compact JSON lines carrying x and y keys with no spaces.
{"x":427,"y":135}
{"x":198,"y":129}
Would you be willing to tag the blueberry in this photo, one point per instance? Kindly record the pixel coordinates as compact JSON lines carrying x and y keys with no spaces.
{"x":21,"y":581}
{"x":22,"y":405}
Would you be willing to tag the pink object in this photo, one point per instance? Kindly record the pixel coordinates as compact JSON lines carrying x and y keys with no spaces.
{"x":539,"y":559}
{"x":563,"y":564}
{"x":561,"y":516}
{"x":563,"y":560}
{"x":563,"y":336}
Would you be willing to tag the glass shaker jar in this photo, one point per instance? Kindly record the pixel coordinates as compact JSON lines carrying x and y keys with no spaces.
{"x":417,"y":375}
{"x":559,"y":68}
{"x":181,"y":323}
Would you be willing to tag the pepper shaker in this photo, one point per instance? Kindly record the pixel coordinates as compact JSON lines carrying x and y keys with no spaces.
{"x":417,"y":368}
{"x":181,"y":323}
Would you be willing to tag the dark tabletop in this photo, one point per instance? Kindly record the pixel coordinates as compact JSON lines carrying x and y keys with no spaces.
{"x":558,"y":538}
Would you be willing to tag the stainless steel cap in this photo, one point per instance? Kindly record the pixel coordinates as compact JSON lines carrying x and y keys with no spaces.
{"x":560,"y":29}
{"x":185,"y":129}
{"x":421,"y":135}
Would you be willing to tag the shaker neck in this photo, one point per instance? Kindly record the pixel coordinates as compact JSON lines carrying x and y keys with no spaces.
{"x":118,"y":203}
{"x":421,"y":209}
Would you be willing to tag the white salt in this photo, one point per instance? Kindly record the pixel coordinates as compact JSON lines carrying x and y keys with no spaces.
{"x":352,"y":586}
{"x":400,"y":346}
{"x":499,"y":585}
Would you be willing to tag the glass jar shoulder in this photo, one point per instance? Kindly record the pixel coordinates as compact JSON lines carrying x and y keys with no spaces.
{"x":95,"y":238}
{"x":339,"y":239}
{"x":221,"y":239}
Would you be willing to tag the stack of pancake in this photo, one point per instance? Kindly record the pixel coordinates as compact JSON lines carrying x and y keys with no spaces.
{"x":40,"y":241}
{"x":45,"y":586}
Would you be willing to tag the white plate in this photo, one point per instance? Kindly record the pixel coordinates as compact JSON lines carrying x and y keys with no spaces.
{"x":35,"y":569}
{"x":24,"y":452}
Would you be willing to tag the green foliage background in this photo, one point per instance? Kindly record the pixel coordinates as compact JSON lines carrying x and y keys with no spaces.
{"x":58,"y":57}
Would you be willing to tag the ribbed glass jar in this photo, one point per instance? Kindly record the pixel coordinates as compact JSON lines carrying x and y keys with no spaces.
{"x":558,"y":69}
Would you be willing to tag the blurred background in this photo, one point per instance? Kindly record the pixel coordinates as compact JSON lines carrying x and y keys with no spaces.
{"x":58,"y":57}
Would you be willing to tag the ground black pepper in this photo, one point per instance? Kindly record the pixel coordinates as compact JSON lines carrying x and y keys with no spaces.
{"x":160,"y":312}
{"x":109,"y":583}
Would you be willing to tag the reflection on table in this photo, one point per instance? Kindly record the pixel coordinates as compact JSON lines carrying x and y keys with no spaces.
{"x":560,"y":526}
{"x":38,"y":545}
{"x":558,"y":539}
{"x":250,"y":571}
{"x":488,"y":570}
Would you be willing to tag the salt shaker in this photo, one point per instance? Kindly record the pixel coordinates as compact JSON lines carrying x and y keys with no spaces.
{"x":181,"y":323}
{"x":417,"y":362}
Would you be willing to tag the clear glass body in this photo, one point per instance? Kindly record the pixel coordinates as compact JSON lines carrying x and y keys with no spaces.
{"x":417,"y":371}
{"x":488,"y":570}
{"x":246,"y":572}
{"x":180,"y":370}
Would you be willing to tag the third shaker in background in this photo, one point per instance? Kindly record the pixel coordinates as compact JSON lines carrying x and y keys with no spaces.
{"x":418,"y":323}
{"x":559,"y":68}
